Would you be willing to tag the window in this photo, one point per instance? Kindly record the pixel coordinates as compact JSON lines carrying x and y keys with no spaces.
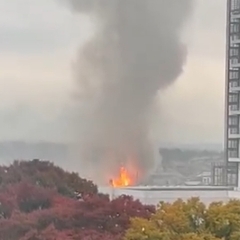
{"x":233,"y":75}
{"x":234,"y":51}
{"x":235,"y":5}
{"x":233,"y":121}
{"x":235,"y":37}
{"x":233,"y":98}
{"x":234,"y":28}
{"x":234,"y":20}
{"x":233,"y":131}
{"x":234,"y":61}
{"x":233,"y":84}
{"x":232,"y":143}
{"x":206,"y":180}
{"x":232,"y":153}
{"x":233,"y":107}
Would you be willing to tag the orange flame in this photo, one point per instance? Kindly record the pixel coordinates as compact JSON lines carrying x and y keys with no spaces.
{"x":123,"y":180}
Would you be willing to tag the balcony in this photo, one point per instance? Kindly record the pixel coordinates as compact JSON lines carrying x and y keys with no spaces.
{"x":235,"y":41}
{"x":234,"y":112}
{"x":235,"y":89}
{"x":234,"y":136}
{"x":235,"y":15}
{"x":235,"y":65}
{"x":234,"y":159}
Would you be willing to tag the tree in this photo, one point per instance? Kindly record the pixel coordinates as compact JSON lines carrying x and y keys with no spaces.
{"x":92,"y":218}
{"x":189,"y":220}
{"x":223,"y":220}
{"x":33,"y":208}
{"x":46,"y":174}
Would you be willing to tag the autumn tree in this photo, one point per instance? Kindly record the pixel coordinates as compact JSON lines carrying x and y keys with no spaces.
{"x":32,"y":207}
{"x":189,"y":220}
{"x":223,"y":220}
{"x":46,"y":174}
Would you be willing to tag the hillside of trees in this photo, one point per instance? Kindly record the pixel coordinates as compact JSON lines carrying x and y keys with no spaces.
{"x":173,"y":158}
{"x":197,"y":161}
{"x":40,"y":201}
{"x":190,"y":220}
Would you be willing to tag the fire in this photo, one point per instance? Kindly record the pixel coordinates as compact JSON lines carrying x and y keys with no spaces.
{"x":123,"y":180}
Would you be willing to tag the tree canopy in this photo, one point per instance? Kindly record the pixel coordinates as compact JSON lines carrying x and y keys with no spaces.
{"x":45,"y":174}
{"x":39,"y":201}
{"x":190,"y":220}
{"x":34,"y":207}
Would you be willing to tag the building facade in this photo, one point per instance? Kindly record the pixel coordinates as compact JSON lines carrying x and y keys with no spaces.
{"x":152,"y":195}
{"x":232,"y":114}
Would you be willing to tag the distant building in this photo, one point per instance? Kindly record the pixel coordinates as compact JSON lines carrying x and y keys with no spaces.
{"x":206,"y":178}
{"x":202,"y":179}
{"x":232,"y":110}
{"x":166,"y":179}
{"x":155,"y":194}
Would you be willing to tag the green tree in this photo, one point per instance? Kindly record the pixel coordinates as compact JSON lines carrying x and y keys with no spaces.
{"x":190,"y":220}
{"x":142,"y":229}
{"x":223,"y":220}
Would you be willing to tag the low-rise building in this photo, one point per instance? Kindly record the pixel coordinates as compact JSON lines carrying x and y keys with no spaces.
{"x":155,"y":194}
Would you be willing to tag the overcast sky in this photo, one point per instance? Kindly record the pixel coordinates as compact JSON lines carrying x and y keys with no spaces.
{"x":38,"y":44}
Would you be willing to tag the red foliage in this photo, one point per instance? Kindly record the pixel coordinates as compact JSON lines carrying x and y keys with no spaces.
{"x":30,"y":212}
{"x":46,"y":174}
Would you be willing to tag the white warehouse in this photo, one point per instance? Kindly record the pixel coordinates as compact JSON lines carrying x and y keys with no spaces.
{"x":154,"y":194}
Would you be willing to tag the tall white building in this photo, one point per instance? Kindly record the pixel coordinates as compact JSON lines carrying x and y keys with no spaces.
{"x":232,"y":121}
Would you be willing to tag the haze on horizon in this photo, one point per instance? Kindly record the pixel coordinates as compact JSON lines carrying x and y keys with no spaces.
{"x":37,"y":80}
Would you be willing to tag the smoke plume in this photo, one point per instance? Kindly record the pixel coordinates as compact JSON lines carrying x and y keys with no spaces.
{"x":135,"y":51}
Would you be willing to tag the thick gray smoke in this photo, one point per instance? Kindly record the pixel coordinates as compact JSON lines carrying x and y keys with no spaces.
{"x":135,"y":51}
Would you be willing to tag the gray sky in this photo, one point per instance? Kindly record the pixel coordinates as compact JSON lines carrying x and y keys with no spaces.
{"x":38,"y":44}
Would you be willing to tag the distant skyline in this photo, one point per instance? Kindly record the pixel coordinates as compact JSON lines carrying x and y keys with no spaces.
{"x":38,"y":44}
